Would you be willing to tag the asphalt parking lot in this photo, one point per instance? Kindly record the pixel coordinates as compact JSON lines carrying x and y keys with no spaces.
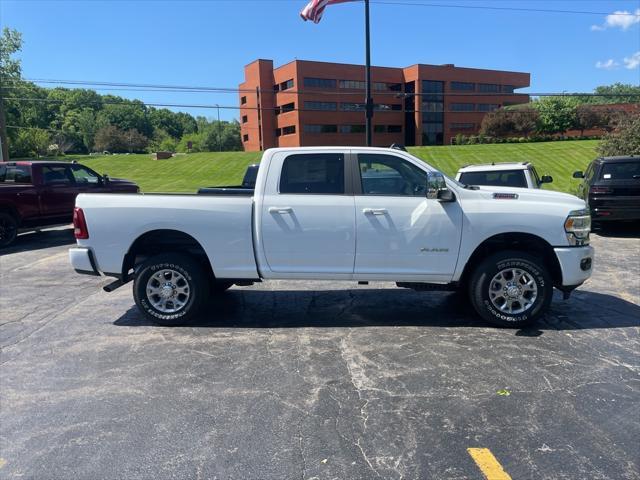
{"x":313,"y":380}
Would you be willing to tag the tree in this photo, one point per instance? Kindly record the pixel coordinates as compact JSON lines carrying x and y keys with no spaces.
{"x":557,"y":114}
{"x":135,"y":141}
{"x":30,"y":142}
{"x":497,"y":124}
{"x":87,"y":127}
{"x":10,"y":71}
{"x":587,"y":118}
{"x":110,"y":139}
{"x":624,"y":140}
{"x":525,"y":121}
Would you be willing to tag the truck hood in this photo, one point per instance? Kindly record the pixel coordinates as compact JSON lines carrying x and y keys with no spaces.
{"x":535,"y":195}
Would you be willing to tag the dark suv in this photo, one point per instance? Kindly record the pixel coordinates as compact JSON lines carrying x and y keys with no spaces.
{"x":611,"y":187}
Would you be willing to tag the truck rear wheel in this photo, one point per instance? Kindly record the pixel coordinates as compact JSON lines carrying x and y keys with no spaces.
{"x":511,"y":289}
{"x":171,"y":289}
{"x":8,"y":229}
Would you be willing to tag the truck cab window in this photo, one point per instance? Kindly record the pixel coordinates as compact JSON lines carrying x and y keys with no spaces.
{"x":313,"y":173}
{"x":390,"y":175}
{"x":15,"y":174}
{"x":84,"y":176}
{"x":56,"y":175}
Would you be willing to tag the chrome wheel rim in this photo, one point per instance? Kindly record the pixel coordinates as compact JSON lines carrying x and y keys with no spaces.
{"x":513,"y":291}
{"x":168,"y":291}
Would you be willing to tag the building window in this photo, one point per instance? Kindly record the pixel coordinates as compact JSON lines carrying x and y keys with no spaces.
{"x":352,"y":84}
{"x":313,"y":173}
{"x":379,"y":128}
{"x":276,"y":88}
{"x":508,"y":88}
{"x":287,"y":84}
{"x":463,"y":86}
{"x":386,"y":107}
{"x":319,"y":82}
{"x":487,"y":107}
{"x":352,"y":107}
{"x":278,"y":132}
{"x":245,"y":137}
{"x":320,"y":128}
{"x":243,"y":100}
{"x":288,"y":130}
{"x":394,"y":129}
{"x":287,"y":107}
{"x":351,"y":128}
{"x":488,"y":88}
{"x":432,"y":107}
{"x":462,"y":126}
{"x":321,"y":106}
{"x":245,"y":119}
{"x":463,"y":107}
{"x":382,"y":86}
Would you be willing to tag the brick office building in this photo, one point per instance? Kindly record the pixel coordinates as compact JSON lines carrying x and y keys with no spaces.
{"x":306,"y":103}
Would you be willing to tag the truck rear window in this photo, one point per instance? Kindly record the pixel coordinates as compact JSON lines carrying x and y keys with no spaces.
{"x":621,"y":171}
{"x":313,"y":173}
{"x":502,"y":178}
{"x":15,"y":174}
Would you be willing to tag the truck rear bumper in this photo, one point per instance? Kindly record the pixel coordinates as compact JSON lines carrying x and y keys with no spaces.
{"x":576,"y":264}
{"x":83,"y":261}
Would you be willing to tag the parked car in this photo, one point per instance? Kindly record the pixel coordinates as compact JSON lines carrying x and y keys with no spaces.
{"x":611,"y":188}
{"x":38,"y":194}
{"x":339,"y":213}
{"x":520,"y":175}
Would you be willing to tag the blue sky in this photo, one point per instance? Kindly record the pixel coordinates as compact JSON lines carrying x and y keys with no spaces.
{"x":207,"y":42}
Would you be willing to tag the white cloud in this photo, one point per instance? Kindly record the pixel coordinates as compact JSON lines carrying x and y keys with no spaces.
{"x":610,"y":64}
{"x":622,"y":19}
{"x":633,"y":61}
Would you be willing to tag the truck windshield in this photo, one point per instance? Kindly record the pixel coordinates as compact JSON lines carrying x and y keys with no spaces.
{"x":15,"y":174}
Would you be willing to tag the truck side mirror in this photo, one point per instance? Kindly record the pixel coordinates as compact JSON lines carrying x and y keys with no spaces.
{"x":105,"y":179}
{"x":546,"y":179}
{"x":578,"y":174}
{"x":437,"y":188}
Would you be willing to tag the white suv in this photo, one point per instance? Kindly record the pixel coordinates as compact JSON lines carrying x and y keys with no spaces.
{"x":516,"y":174}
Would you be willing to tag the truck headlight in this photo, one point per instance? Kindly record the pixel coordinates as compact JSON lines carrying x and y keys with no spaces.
{"x":577,"y":226}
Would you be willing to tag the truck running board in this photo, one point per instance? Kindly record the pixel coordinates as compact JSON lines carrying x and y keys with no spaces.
{"x":118,"y":283}
{"x":419,"y":286}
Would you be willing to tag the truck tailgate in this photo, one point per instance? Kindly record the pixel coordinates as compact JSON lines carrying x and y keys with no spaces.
{"x":222,"y":226}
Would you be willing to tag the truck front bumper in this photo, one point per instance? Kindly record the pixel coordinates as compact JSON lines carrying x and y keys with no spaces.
{"x":83,"y":261}
{"x":576,"y":264}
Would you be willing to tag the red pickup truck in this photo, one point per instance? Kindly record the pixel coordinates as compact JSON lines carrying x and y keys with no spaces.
{"x":37,"y":194}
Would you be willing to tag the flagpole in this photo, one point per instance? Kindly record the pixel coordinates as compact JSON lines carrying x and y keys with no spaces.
{"x":369,"y":100}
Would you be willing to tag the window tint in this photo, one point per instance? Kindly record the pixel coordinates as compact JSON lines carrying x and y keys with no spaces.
{"x":390,"y":175}
{"x":313,"y":173}
{"x":504,"y":178}
{"x":84,"y":176}
{"x":58,"y":175}
{"x":319,"y":82}
{"x":621,"y":171}
{"x":15,"y":174}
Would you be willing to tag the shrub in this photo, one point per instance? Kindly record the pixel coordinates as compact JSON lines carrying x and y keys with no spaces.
{"x":624,"y":140}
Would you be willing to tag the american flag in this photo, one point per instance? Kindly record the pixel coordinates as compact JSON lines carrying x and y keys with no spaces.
{"x":314,"y":9}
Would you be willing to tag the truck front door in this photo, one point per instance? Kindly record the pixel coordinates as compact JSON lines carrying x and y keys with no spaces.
{"x":307,"y":218}
{"x":402,"y":235}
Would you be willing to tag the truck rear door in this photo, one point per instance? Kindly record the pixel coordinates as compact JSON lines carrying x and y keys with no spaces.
{"x":307,"y":221}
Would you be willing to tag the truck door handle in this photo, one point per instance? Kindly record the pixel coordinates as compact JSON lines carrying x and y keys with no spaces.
{"x":281,"y":210}
{"x":374,"y":211}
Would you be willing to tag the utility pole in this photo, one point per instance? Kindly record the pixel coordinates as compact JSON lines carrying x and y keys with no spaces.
{"x":368,"y":100}
{"x":219,"y":130}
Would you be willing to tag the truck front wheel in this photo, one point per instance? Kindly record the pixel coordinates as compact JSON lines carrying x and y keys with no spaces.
{"x":511,"y":289}
{"x":170,"y":289}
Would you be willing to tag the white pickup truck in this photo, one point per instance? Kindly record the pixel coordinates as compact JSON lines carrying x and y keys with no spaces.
{"x":339,"y":213}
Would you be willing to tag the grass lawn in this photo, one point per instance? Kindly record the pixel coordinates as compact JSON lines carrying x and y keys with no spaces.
{"x":186,"y":173}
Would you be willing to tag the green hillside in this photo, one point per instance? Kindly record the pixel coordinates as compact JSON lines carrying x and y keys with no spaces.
{"x":186,"y":173}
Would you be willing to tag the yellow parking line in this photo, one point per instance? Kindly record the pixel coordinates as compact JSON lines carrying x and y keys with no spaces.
{"x":488,"y":464}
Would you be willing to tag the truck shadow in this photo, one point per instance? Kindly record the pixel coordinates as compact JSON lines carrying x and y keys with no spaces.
{"x":37,"y":240}
{"x":621,"y":230}
{"x":257,"y":308}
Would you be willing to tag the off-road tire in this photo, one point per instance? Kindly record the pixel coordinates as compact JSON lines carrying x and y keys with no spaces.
{"x":484,"y":274}
{"x":189,"y":272}
{"x":8,"y":229}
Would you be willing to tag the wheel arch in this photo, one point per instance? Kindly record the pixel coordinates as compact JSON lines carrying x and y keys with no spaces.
{"x":524,"y":242}
{"x":155,"y":242}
